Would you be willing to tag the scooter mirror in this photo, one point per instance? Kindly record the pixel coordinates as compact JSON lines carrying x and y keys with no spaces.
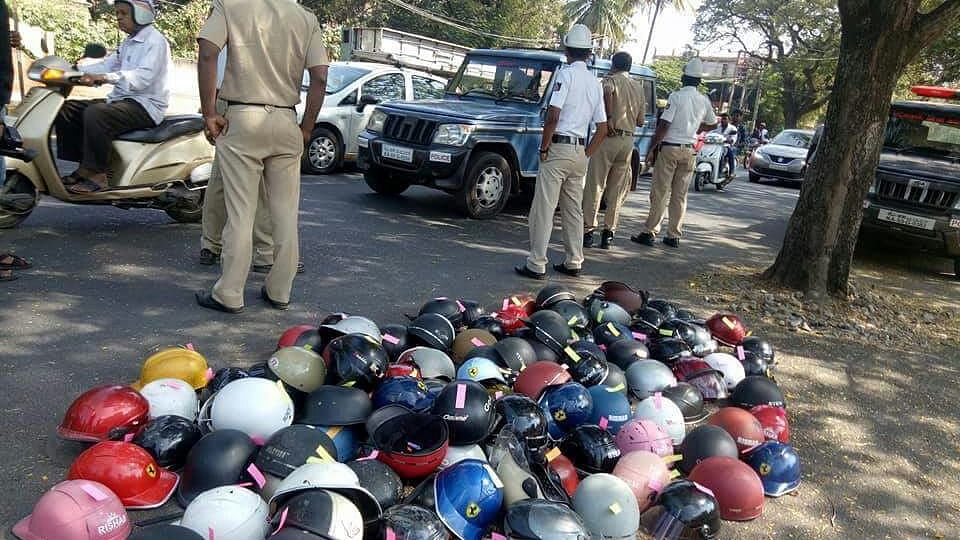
{"x":94,"y":50}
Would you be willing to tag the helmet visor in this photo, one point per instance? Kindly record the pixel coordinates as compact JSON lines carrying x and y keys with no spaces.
{"x":662,"y":525}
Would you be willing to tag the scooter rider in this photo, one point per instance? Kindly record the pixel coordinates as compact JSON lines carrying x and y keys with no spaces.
{"x":138,"y":72}
{"x":730,"y":134}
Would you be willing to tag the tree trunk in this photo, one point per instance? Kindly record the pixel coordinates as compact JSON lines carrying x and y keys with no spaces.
{"x":788,"y":100}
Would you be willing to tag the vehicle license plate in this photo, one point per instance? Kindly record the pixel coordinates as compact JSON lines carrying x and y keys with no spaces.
{"x":778,"y":166}
{"x":906,"y":219}
{"x":397,"y":153}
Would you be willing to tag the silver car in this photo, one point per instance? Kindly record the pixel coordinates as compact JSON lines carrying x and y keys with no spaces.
{"x":784,"y":158}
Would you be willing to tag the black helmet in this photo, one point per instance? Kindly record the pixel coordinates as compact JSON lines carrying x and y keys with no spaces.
{"x":688,"y":398}
{"x":625,"y":352}
{"x":447,"y":308}
{"x":685,"y":508}
{"x":759,"y":347}
{"x":380,"y":480}
{"x":541,"y":351}
{"x":223,"y":377}
{"x":647,"y":321}
{"x":413,"y":522}
{"x":676,"y":328}
{"x":383,"y":415}
{"x":514,"y":353}
{"x":587,"y":366}
{"x":468,"y":410}
{"x":317,"y":513}
{"x":577,"y":316}
{"x":591,"y":449}
{"x":335,"y":406}
{"x":756,"y":390}
{"x":168,"y":439}
{"x":218,"y":459}
{"x":610,"y":332}
{"x":551,"y":294}
{"x":703,"y":442}
{"x":394,"y":340}
{"x":357,"y":359}
{"x":490,"y":324}
{"x":755,"y":364}
{"x":164,"y":532}
{"x":538,"y":519}
{"x":472,"y":311}
{"x":668,"y":350}
{"x":292,"y":447}
{"x":615,"y":379}
{"x":432,"y":330}
{"x":667,"y":309}
{"x":423,"y":495}
{"x":550,"y":329}
{"x":524,"y":417}
{"x":686,"y":315}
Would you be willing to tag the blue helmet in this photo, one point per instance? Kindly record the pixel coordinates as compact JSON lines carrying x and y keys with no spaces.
{"x":608,"y":333}
{"x":566,"y":407}
{"x":611,"y":408}
{"x":778,"y":466}
{"x":468,"y":497}
{"x":345,"y":439}
{"x":405,"y":391}
{"x":479,"y":370}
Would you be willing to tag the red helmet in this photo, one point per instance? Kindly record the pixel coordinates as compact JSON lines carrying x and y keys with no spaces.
{"x":104,"y":413}
{"x":291,"y":335}
{"x":403,"y":370}
{"x":727,"y":329}
{"x":412,"y":444}
{"x":129,"y":471}
{"x":774,"y":422}
{"x":511,"y":318}
{"x":741,"y":425}
{"x":538,"y":376}
{"x":736,"y":486}
{"x":567,"y":473}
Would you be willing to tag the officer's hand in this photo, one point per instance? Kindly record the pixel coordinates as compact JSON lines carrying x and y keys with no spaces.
{"x":307,"y":133}
{"x":651,"y":157}
{"x":214,"y":126}
{"x":91,"y":80}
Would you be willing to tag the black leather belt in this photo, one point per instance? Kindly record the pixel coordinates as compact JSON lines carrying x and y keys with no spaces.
{"x":621,"y":132}
{"x":563,"y":139}
{"x":232,"y":103}
{"x":676,"y":144}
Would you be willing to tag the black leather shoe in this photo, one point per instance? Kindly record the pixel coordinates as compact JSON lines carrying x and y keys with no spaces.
{"x":562,"y":268}
{"x":646,"y":239}
{"x":672,"y":242}
{"x":208,"y":258}
{"x":588,"y":239}
{"x":265,"y":268}
{"x":282,"y":306}
{"x":606,"y":239}
{"x":205,"y":299}
{"x":528,"y":273}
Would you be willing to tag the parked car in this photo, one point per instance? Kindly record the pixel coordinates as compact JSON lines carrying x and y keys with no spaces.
{"x":783,"y":158}
{"x":352,"y":89}
{"x":480,"y":142}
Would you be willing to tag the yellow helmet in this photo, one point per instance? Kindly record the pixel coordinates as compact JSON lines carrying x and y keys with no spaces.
{"x":175,"y":363}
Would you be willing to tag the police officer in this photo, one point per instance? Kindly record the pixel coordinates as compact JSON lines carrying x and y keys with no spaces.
{"x":275,"y":40}
{"x":671,"y":152}
{"x":577,"y":100}
{"x":609,"y":171}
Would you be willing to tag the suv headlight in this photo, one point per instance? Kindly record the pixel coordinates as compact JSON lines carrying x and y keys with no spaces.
{"x":453,"y":134}
{"x":377,"y":119}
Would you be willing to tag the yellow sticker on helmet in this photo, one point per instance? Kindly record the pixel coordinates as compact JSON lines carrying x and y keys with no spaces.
{"x":516,"y":301}
{"x":559,"y":415}
{"x":674,"y":474}
{"x":553,"y":454}
{"x":308,"y":347}
{"x":665,"y":332}
{"x":615,"y":508}
{"x":473,"y":510}
{"x":151,"y":470}
{"x":613,"y":329}
{"x":728,"y":322}
{"x":314,"y":459}
{"x":333,"y":431}
{"x":322,"y":453}
{"x":349,"y":384}
{"x":572,"y":320}
{"x":618,"y":388}
{"x":599,"y":316}
{"x":672,"y":459}
{"x":572,"y":354}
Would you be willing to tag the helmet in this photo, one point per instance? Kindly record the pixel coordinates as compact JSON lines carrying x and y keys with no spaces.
{"x":516,"y":353}
{"x":755,"y":390}
{"x":168,"y":439}
{"x":382,"y":415}
{"x":405,"y":391}
{"x":645,"y":473}
{"x":758,"y":347}
{"x":380,"y":480}
{"x":490,"y":324}
{"x":292,"y":447}
{"x":566,"y":407}
{"x":603,"y":312}
{"x":165,"y":532}
{"x":686,"y":315}
{"x":703,"y":442}
{"x":727,"y":329}
{"x":566,"y":473}
{"x":174,"y":363}
{"x":551,"y":294}
{"x":480,"y":370}
{"x":736,"y":486}
{"x":700,"y":374}
{"x":586,"y":363}
{"x":756,"y":365}
{"x":257,"y":407}
{"x":688,"y":398}
{"x":667,"y":309}
{"x":774,"y":422}
{"x":460,"y":453}
{"x":432,"y":330}
{"x":608,"y":507}
{"x":332,"y":476}
{"x":522,"y":415}
{"x":423,"y":494}
{"x":509,"y":459}
{"x":357,"y":359}
{"x":394,"y":340}
{"x":472,"y":311}
{"x":608,"y":333}
{"x":577,"y":317}
{"x":468,"y":340}
{"x":647,"y":377}
{"x":626,"y":351}
{"x":537,"y":519}
{"x":323,"y":513}
{"x":412,"y":522}
{"x":218,"y":459}
{"x":663,"y":412}
{"x":468,"y":410}
{"x":668,"y":350}
{"x":741,"y":425}
{"x":683,"y":510}
{"x":433,"y":363}
{"x":727,"y":364}
{"x":143,"y":11}
{"x":291,"y":335}
{"x":335,"y":406}
{"x":412,"y":444}
{"x":104,"y":412}
{"x":611,"y":409}
{"x":626,"y":296}
{"x":76,"y":510}
{"x":128,"y":470}
{"x":682,"y":330}
{"x":778,"y":466}
{"x":171,"y":396}
{"x":591,"y":449}
{"x":550,"y":329}
{"x":538,"y":376}
{"x":223,"y":377}
{"x":350,"y":324}
{"x":579,"y":37}
{"x":447,"y":308}
{"x":647,"y":321}
{"x":345,"y":438}
{"x":645,"y":435}
{"x":301,"y":368}
{"x":402,"y":370}
{"x":540,"y":351}
{"x":468,"y":497}
{"x":228,"y":512}
{"x":702,"y":342}
{"x":615,"y":379}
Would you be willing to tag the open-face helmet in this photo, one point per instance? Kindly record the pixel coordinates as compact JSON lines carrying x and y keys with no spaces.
{"x":778,"y":466}
{"x":645,"y":473}
{"x":591,"y":449}
{"x":171,"y":396}
{"x":774,"y":422}
{"x":742,"y":426}
{"x":577,"y":316}
{"x":647,"y":377}
{"x":104,"y":413}
{"x":727,"y":364}
{"x":432,"y":330}
{"x":700,"y":374}
{"x":703,"y":442}
{"x":608,"y":507}
{"x":736,"y":486}
{"x":566,"y":407}
{"x":646,"y":435}
{"x":168,"y":439}
{"x":468,"y":410}
{"x":664,"y":412}
{"x":128,"y":470}
{"x":683,"y":510}
{"x":551,"y":294}
{"x":468,"y":497}
{"x":218,"y":459}
{"x":756,"y":390}
{"x":539,"y":376}
{"x":406,"y":391}
{"x":356,"y":360}
{"x":688,"y":398}
{"x":727,"y":329}
{"x":76,"y":510}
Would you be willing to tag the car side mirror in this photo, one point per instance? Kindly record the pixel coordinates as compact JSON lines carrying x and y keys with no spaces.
{"x":366,"y":100}
{"x":94,"y":50}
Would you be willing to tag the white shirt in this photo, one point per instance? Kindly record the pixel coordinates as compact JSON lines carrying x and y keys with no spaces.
{"x":729,"y":133}
{"x":579,"y":96}
{"x":686,"y":109}
{"x":221,"y":66}
{"x":138,"y":70}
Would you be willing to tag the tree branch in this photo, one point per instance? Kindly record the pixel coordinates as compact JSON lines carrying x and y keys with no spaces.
{"x":932,"y":25}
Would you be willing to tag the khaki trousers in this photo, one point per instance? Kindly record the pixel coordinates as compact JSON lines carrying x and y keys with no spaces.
{"x":608,"y":175}
{"x":560,"y":180}
{"x":262,"y":142}
{"x":671,"y":180}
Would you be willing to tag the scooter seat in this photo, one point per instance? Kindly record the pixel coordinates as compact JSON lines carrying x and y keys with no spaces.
{"x":171,"y":127}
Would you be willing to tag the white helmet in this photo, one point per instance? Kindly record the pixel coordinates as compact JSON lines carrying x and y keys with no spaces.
{"x":228,"y":513}
{"x":579,"y":37}
{"x":727,"y":364}
{"x":353,"y":324}
{"x":694,"y":68}
{"x":255,"y":406}
{"x":171,"y":396}
{"x":459,"y":453}
{"x":332,"y":476}
{"x":664,"y":412}
{"x":608,"y":507}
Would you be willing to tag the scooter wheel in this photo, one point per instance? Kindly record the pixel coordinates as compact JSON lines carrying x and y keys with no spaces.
{"x":697,"y":182}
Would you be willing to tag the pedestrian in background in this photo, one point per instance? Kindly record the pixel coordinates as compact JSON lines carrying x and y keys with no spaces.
{"x":8,"y":41}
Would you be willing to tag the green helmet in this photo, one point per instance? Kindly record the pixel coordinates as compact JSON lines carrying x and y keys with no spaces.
{"x":298,"y":367}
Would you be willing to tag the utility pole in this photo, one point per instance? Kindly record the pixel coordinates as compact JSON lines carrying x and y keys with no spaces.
{"x":756,"y":97}
{"x":653,"y":23}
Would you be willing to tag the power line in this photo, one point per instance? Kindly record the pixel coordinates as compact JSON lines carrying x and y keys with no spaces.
{"x":445,"y":20}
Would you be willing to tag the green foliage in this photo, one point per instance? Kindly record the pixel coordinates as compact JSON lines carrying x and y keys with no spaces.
{"x":669,"y":71}
{"x":71,"y":22}
{"x":181,"y":24}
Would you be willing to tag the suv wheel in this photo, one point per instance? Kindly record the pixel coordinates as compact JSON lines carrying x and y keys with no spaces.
{"x":324,"y":152}
{"x":486,"y":186}
{"x":381,"y":182}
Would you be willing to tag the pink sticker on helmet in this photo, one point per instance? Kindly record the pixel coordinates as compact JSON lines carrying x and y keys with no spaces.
{"x":477,"y":342}
{"x":603,"y":422}
{"x":128,"y":437}
{"x":461,"y":307}
{"x":414,"y":447}
{"x":658,"y":400}
{"x":639,"y":336}
{"x":257,"y":475}
{"x":497,"y":536}
{"x":94,"y":492}
{"x":497,"y":395}
{"x":603,"y":348}
{"x":209,"y":374}
{"x":390,"y":535}
{"x":189,"y":347}
{"x":390,"y":339}
{"x":654,"y":483}
{"x":704,"y":489}
{"x":210,"y":534}
{"x":740,"y":354}
{"x":506,"y":304}
{"x":283,"y":520}
{"x":373,"y":455}
{"x":258,"y":440}
{"x":461,"y":396}
{"x":244,"y":484}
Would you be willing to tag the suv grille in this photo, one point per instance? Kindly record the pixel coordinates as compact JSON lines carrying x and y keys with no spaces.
{"x":915,"y":193}
{"x":407,"y":129}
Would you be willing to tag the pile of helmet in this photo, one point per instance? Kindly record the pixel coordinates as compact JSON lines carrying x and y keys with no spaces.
{"x":548,"y":418}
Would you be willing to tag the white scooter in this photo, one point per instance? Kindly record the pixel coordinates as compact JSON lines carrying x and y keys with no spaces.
{"x":712,"y":164}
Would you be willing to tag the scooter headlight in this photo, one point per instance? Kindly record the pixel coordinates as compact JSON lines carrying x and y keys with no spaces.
{"x":51,"y":74}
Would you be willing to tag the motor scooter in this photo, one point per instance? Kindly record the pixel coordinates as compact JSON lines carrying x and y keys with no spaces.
{"x":166,"y":167}
{"x":712,"y":165}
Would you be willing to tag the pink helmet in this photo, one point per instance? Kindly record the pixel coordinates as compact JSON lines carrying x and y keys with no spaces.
{"x":647,"y":435}
{"x":76,"y":510}
{"x":645,"y":473}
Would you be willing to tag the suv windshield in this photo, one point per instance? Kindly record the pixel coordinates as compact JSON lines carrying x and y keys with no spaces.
{"x":923,"y":133}
{"x":338,"y":78}
{"x":516,"y":79}
{"x":797,"y":139}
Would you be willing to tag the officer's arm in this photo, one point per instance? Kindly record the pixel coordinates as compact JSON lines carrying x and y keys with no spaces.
{"x":549,"y":127}
{"x":315,"y":95}
{"x":598,"y":137}
{"x":608,"y":101}
{"x":207,"y":77}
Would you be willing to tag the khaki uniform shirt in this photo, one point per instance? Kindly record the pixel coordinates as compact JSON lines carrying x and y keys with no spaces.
{"x":271,"y":43}
{"x":628,"y":101}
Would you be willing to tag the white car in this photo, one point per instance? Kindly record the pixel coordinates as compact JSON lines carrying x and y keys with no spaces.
{"x":352,"y":87}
